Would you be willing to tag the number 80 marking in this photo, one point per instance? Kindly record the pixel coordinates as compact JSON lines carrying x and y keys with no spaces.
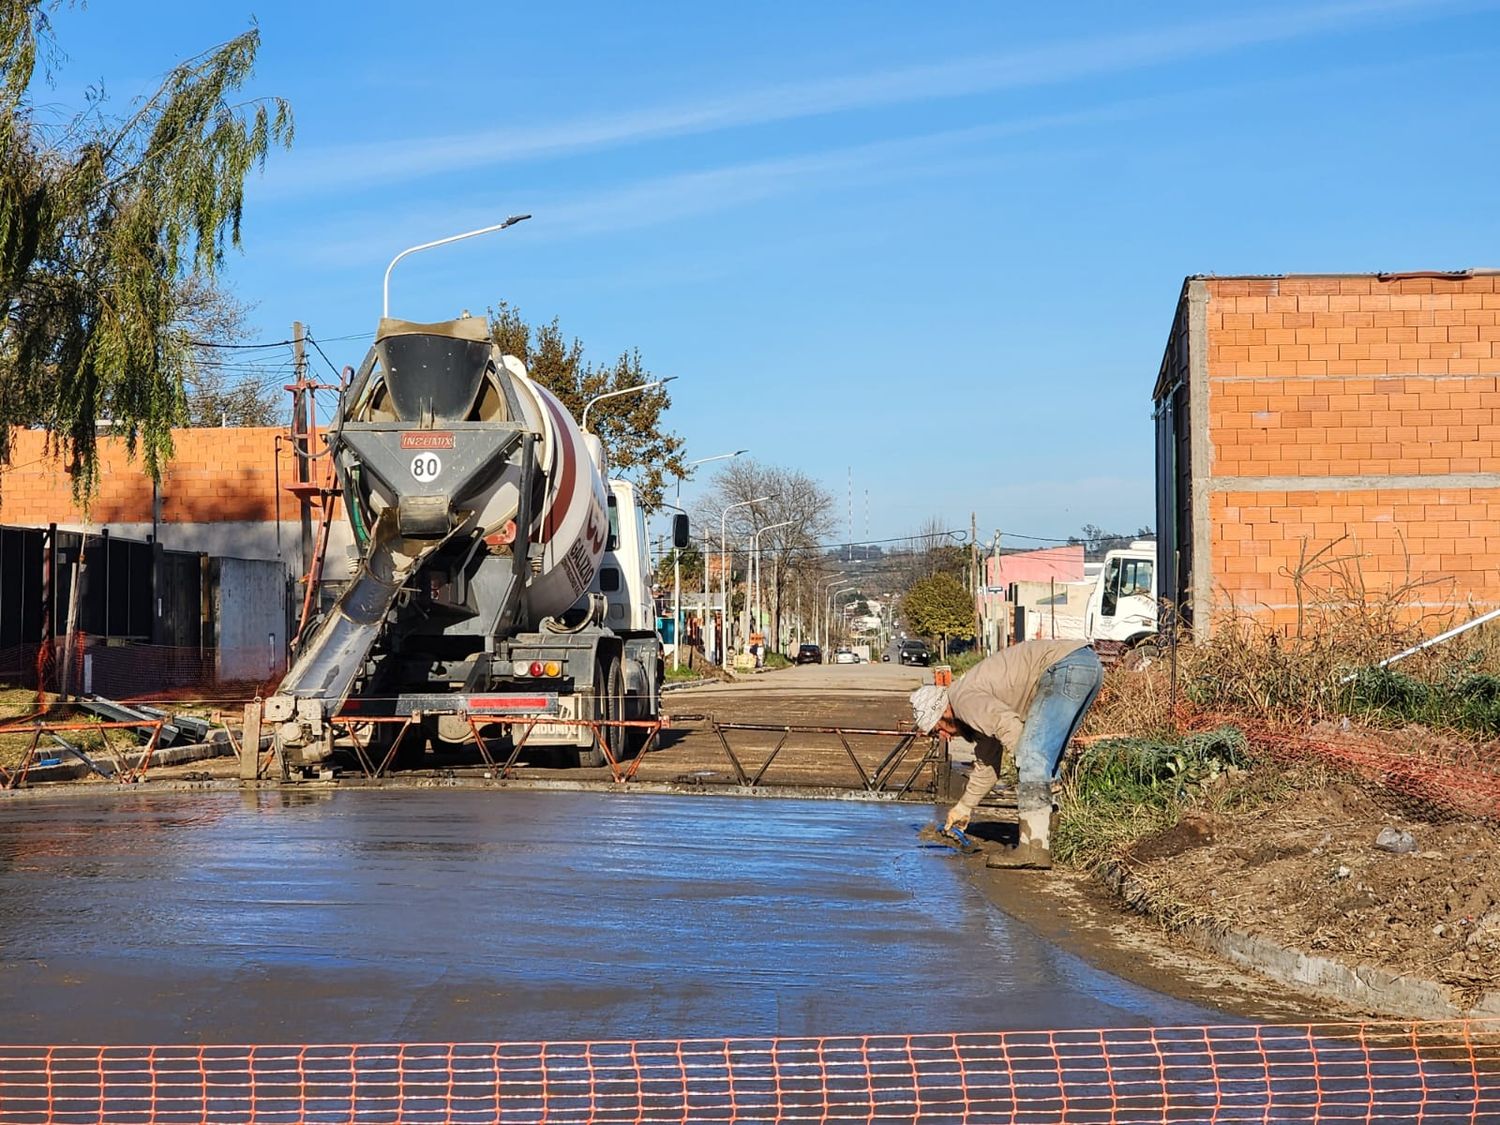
{"x":426,"y":466}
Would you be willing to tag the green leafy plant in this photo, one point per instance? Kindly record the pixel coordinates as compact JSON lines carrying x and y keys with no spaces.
{"x":1117,"y":790}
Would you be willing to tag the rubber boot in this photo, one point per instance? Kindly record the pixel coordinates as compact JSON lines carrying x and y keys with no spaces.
{"x":1035,"y":849}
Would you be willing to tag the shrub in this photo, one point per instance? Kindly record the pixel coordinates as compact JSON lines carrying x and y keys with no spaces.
{"x":1117,"y":790}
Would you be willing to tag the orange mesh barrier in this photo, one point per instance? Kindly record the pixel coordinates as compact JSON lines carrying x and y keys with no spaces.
{"x":143,"y":672}
{"x":1429,"y":1073}
{"x":1454,"y":778}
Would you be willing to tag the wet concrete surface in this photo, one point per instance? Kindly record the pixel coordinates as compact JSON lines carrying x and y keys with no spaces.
{"x":452,"y":916}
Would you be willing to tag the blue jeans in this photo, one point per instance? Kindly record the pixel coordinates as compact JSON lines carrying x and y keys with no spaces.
{"x":1063,"y":696}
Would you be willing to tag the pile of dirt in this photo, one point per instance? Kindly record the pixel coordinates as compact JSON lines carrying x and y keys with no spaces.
{"x":1333,"y":867}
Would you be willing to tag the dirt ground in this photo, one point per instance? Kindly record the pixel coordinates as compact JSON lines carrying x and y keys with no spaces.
{"x":1303,"y":868}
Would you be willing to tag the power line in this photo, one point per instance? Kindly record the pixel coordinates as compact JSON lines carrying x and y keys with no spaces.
{"x":337,"y":374}
{"x":273,"y":343}
{"x":958,"y":535}
{"x":239,"y":347}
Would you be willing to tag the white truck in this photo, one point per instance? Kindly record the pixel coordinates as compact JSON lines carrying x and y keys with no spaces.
{"x":1122,"y":609}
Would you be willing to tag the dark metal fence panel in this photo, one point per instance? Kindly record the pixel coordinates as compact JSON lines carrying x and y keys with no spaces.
{"x":21,"y":585}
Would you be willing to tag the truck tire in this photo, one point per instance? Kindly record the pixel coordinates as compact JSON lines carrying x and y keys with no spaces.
{"x":646,"y":710}
{"x":609,"y":706}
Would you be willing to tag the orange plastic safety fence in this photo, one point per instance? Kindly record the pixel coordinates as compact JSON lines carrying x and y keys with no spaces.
{"x":1428,"y":1073}
{"x":1464,"y":781}
{"x":141,"y":671}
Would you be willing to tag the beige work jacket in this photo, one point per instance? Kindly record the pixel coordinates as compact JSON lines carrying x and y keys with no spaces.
{"x":992,"y":699}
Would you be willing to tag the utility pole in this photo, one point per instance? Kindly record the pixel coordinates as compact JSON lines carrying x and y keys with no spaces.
{"x":995,"y":554}
{"x":302,"y":452}
{"x":977,"y":579}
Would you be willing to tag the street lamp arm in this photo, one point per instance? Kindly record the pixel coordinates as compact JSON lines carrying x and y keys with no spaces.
{"x":584,"y":422}
{"x":715,"y":457}
{"x":385,"y":307}
{"x":755,"y":538}
{"x":704,"y":461}
{"x":832,"y":597}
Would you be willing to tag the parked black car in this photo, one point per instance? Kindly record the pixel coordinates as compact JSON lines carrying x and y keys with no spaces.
{"x":809,"y":654}
{"x":914,"y":652}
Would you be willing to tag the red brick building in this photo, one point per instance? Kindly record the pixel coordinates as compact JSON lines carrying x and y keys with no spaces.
{"x":1303,"y":411}
{"x":217,"y":495}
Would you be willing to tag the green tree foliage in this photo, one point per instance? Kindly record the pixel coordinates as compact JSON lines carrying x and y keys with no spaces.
{"x":637,"y":445}
{"x":940,"y":607}
{"x":692,"y":567}
{"x":102,"y":221}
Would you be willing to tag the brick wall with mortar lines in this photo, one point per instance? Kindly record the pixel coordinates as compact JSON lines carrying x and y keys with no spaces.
{"x":215,"y":475}
{"x":1393,"y":383}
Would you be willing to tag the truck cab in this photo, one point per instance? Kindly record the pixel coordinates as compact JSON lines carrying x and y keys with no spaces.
{"x":1122,"y":608}
{"x":624,"y":577}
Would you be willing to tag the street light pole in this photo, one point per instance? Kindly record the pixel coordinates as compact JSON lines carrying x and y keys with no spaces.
{"x":821,"y":590}
{"x":832,"y":595}
{"x":584,"y":421}
{"x":724,"y":571}
{"x":677,"y":562}
{"x":755,"y":546}
{"x":385,"y":305}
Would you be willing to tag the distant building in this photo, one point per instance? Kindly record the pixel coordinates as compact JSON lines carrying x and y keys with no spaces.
{"x":1048,"y":585}
{"x":1352,"y":414}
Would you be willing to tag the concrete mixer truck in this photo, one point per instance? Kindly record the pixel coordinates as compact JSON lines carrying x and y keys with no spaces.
{"x":498,"y":574}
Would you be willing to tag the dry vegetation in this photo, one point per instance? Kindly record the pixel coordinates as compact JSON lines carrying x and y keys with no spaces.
{"x":1244,"y":782}
{"x":19,"y":706}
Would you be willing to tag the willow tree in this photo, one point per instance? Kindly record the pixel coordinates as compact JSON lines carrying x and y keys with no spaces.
{"x":104,"y":222}
{"x":636,"y":443}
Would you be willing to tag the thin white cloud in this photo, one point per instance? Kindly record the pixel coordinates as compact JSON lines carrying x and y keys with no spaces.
{"x":371,"y":163}
{"x":365,"y":237}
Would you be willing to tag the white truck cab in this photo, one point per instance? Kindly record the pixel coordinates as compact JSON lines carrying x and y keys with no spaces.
{"x":1122,"y":608}
{"x":624,"y":576}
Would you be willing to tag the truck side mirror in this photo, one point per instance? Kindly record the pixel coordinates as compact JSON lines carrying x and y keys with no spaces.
{"x":680,"y":530}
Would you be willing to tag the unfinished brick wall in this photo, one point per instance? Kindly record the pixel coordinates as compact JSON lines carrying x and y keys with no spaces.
{"x":215,"y":476}
{"x":1360,"y":411}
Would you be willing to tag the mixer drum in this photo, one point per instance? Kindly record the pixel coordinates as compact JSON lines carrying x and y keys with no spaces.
{"x":430,"y":433}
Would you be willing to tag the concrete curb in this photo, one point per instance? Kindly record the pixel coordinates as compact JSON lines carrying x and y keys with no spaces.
{"x":679,"y":685}
{"x":1365,"y":986}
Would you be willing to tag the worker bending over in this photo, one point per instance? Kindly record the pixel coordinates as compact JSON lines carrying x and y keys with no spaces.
{"x":1028,"y":699}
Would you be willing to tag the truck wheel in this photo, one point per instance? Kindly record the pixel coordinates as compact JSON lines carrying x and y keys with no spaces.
{"x":649,"y":708}
{"x":609,"y":705}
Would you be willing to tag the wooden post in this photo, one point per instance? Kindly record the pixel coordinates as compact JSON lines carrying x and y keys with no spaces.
{"x":70,"y":636}
{"x":250,"y":743}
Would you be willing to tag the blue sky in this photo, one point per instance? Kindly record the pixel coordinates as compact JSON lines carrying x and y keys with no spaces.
{"x":936,"y":247}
